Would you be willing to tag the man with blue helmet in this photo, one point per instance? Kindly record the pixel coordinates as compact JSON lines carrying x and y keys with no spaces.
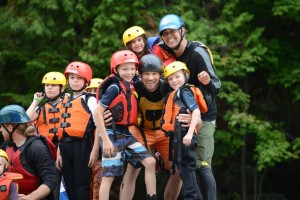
{"x":199,"y":61}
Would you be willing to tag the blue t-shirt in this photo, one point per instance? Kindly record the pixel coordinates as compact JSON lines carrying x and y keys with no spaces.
{"x":188,"y":99}
{"x":108,"y":96}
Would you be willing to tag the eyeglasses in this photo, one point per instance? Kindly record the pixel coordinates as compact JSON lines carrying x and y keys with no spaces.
{"x":166,"y":32}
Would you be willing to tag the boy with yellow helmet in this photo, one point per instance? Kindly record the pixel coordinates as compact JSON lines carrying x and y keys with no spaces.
{"x":92,"y":88}
{"x":183,"y":140}
{"x":8,"y":185}
{"x":97,"y":167}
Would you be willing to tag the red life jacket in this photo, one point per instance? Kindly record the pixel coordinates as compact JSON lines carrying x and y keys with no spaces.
{"x":30,"y":182}
{"x":163,"y":54}
{"x":124,"y":107}
{"x":76,"y":118}
{"x":48,"y":122}
{"x":5,"y":182}
{"x":174,"y":106}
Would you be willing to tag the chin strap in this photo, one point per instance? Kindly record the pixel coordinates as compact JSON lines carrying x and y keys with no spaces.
{"x":179,"y":44}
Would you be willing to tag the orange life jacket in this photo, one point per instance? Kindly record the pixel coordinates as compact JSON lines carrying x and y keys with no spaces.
{"x":76,"y":118}
{"x":124,"y":107}
{"x":48,"y":122}
{"x":174,"y":106}
{"x":5,"y":182}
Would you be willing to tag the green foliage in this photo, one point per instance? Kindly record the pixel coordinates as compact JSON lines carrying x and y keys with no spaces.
{"x":288,"y":8}
{"x":271,"y":148}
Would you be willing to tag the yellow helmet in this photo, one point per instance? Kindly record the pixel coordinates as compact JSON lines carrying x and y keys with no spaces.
{"x":174,"y":67}
{"x":95,"y":82}
{"x":55,"y":78}
{"x":132,"y":33}
{"x":3,"y":154}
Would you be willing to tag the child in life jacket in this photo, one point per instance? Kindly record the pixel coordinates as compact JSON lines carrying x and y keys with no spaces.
{"x":46,"y":105}
{"x":45,"y":111}
{"x":78,"y":148}
{"x":97,"y":167}
{"x":116,"y":93}
{"x":183,"y":140}
{"x":8,"y":186}
{"x":135,"y":39}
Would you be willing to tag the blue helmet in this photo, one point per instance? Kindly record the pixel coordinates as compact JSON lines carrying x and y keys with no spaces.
{"x":14,"y":114}
{"x":170,"y":21}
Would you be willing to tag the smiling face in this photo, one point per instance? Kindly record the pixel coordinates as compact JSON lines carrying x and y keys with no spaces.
{"x":126,"y":71}
{"x":172,"y":37}
{"x":137,"y":44}
{"x":150,"y":80}
{"x":177,"y":79}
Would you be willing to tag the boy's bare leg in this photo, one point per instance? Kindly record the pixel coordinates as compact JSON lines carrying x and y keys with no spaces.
{"x":150,"y":175}
{"x":127,"y":187}
{"x":105,"y":187}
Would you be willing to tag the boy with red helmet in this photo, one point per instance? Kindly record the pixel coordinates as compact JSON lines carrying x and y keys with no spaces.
{"x":79,"y":146}
{"x":116,"y":93}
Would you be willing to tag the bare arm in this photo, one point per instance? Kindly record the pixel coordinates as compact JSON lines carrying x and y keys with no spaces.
{"x":41,"y":192}
{"x":185,"y":119}
{"x":31,"y":111}
{"x":108,"y":147}
{"x":195,"y":118}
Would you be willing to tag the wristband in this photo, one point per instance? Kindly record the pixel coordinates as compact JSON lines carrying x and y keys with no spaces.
{"x":39,"y":100}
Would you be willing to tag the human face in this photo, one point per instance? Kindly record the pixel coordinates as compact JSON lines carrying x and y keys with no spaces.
{"x":92,"y":90}
{"x":52,"y":90}
{"x":126,"y":71}
{"x":76,"y":82}
{"x":177,"y":79}
{"x":137,"y":44}
{"x":3,"y":164}
{"x":150,"y":80}
{"x":171,"y":37}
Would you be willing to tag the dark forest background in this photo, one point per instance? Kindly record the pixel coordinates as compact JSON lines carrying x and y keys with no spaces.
{"x":256,"y":51}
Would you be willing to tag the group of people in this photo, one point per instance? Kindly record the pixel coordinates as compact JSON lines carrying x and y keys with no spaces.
{"x":159,"y":97}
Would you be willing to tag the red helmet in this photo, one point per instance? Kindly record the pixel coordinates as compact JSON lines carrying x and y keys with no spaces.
{"x":81,"y":69}
{"x":121,"y":57}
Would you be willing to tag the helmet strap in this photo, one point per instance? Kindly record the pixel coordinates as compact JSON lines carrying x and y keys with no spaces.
{"x":181,"y":38}
{"x":11,"y":132}
{"x":179,"y":44}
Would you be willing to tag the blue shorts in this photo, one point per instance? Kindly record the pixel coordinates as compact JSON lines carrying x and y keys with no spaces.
{"x":113,"y":166}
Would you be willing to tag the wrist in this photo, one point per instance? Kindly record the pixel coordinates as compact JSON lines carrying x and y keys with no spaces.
{"x":40,"y":100}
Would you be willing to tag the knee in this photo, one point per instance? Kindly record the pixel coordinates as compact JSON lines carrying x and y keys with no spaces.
{"x":149,"y":163}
